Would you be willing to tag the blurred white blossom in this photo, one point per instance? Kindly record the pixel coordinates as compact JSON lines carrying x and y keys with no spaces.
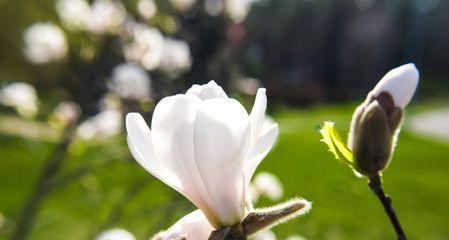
{"x":22,"y":97}
{"x":247,"y":85}
{"x":266,"y":184}
{"x":193,"y":226}
{"x":265,"y":235}
{"x":115,"y":234}
{"x":213,"y":7}
{"x":65,"y":113}
{"x":44,"y":42}
{"x":296,"y":237}
{"x":130,"y":81}
{"x":182,"y":5}
{"x":107,"y":16}
{"x":74,"y":14}
{"x":237,"y":9}
{"x":107,"y":123}
{"x":146,"y":46}
{"x":176,"y":57}
{"x":146,"y":8}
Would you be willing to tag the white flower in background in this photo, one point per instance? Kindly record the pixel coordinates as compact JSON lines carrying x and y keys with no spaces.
{"x":268,"y":185}
{"x":107,"y":16}
{"x":107,"y":123}
{"x":213,"y":7}
{"x":176,"y":57}
{"x":74,"y":14}
{"x":146,"y":47}
{"x":115,"y":234}
{"x":182,"y":5}
{"x":206,"y":146}
{"x":193,"y":226}
{"x":296,"y":237}
{"x":22,"y":97}
{"x":130,"y":81}
{"x":146,"y":8}
{"x":247,"y":86}
{"x":44,"y":42}
{"x":237,"y":9}
{"x":66,"y":112}
{"x":265,"y":235}
{"x":400,"y":83}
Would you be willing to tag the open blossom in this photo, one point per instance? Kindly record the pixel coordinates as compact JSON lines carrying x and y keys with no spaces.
{"x":130,"y":81}
{"x":115,"y":234}
{"x":176,"y":57}
{"x":44,"y":42}
{"x":193,"y":226}
{"x":295,"y":237}
{"x":206,"y":146}
{"x":107,"y":16}
{"x":22,"y":97}
{"x":146,"y":46}
{"x":74,"y":14}
{"x":146,"y":8}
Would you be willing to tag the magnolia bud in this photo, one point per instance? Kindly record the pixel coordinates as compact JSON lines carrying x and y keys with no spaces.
{"x":376,"y":122}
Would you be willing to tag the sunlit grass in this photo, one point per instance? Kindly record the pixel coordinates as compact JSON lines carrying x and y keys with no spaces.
{"x":343,"y":206}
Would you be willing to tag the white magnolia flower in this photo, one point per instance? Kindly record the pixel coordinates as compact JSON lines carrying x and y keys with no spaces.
{"x":105,"y":124}
{"x":295,"y":237}
{"x":146,"y":47}
{"x":213,"y":7}
{"x":267,"y":184}
{"x":74,"y":14}
{"x":182,"y":5}
{"x":400,"y":83}
{"x":107,"y":16}
{"x":22,"y":97}
{"x":265,"y":235}
{"x":193,"y":226}
{"x":115,"y":234}
{"x":130,"y":81}
{"x":44,"y":42}
{"x":66,"y":112}
{"x":206,"y":146}
{"x":237,"y":9}
{"x":176,"y":57}
{"x":146,"y":8}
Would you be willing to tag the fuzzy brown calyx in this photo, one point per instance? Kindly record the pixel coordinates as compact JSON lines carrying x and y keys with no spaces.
{"x":262,"y":219}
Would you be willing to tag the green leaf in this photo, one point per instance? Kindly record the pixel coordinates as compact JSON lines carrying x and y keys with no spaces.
{"x":336,"y":146}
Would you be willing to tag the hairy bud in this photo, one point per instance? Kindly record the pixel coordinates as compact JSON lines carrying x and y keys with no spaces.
{"x":373,"y":133}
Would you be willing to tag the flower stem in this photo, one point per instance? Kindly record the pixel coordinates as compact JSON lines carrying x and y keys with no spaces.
{"x":375,"y":185}
{"x":43,"y":187}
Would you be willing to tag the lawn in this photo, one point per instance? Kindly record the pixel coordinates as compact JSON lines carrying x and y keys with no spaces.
{"x":112,"y":191}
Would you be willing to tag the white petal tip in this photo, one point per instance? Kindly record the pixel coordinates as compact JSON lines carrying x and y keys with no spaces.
{"x":401,"y":83}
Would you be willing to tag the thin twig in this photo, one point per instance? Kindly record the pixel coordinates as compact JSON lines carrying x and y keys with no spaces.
{"x":375,"y":185}
{"x":42,"y":188}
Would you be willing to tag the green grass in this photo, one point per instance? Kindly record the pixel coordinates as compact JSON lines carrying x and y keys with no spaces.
{"x":343,"y":206}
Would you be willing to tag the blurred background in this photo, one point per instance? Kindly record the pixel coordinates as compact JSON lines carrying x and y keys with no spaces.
{"x":71,"y":69}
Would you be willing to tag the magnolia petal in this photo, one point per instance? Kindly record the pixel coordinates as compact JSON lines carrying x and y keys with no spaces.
{"x":173,"y":123}
{"x":141,"y":145}
{"x":401,"y":83}
{"x":258,"y":113}
{"x":207,"y":91}
{"x":221,"y":141}
{"x":193,"y":226}
{"x":260,"y":150}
